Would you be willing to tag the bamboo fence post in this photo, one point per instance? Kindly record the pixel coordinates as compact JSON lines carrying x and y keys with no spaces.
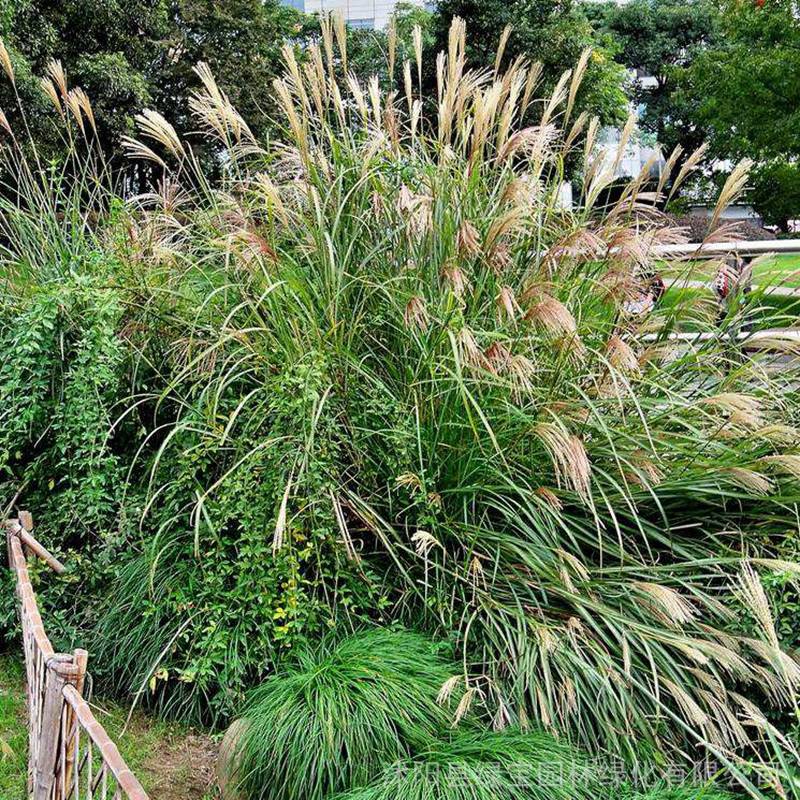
{"x":25,"y":519}
{"x":58,"y":715}
{"x":59,"y":673}
{"x":31,"y":546}
{"x":10,"y":524}
{"x":80,"y":658}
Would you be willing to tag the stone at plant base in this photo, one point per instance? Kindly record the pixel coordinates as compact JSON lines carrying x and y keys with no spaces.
{"x":226,"y":761}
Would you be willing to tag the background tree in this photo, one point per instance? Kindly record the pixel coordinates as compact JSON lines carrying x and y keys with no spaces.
{"x":659,"y":40}
{"x":746,"y":83}
{"x":747,"y":99}
{"x":241,"y":40}
{"x":138,"y":53}
{"x":776,"y":193}
{"x":110,"y":48}
{"x":551,"y":31}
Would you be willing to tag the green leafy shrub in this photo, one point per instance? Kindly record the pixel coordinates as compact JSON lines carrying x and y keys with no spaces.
{"x":210,"y":598}
{"x":63,"y":375}
{"x":339,"y":713}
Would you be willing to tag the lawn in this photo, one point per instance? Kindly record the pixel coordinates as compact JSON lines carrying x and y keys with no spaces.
{"x":695,"y":307}
{"x":778,"y":270}
{"x":13,"y":733}
{"x":172,"y":761}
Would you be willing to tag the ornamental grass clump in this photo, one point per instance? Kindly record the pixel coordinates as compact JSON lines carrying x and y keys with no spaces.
{"x":396,"y":378}
{"x":665,"y":791}
{"x":337,"y":715}
{"x":487,"y":766}
{"x":480,"y":419}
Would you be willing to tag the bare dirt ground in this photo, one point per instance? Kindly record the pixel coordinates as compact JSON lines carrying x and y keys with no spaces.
{"x":171,"y":761}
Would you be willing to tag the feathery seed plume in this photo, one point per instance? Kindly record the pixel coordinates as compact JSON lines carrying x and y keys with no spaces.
{"x":621,"y":355}
{"x":507,"y":304}
{"x":570,"y":461}
{"x":5,"y":61}
{"x":549,"y":497}
{"x":416,"y":314}
{"x":468,"y":240}
{"x":55,"y":71}
{"x":749,"y":480}
{"x":424,"y":542}
{"x":552,"y":315}
{"x":155,"y":127}
{"x":455,"y":277}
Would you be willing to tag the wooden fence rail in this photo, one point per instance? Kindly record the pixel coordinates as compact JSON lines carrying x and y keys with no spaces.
{"x":70,"y":756}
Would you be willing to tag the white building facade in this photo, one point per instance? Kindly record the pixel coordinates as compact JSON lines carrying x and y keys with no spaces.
{"x":639,"y":150}
{"x":358,"y":13}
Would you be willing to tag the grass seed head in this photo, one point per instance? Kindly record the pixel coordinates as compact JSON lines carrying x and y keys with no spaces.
{"x":552,"y":315}
{"x":468,"y":240}
{"x":5,"y":62}
{"x":416,"y":314}
{"x":569,"y":457}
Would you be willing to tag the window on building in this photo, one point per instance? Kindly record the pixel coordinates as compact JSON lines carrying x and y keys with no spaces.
{"x":300,"y":5}
{"x":362,"y":23}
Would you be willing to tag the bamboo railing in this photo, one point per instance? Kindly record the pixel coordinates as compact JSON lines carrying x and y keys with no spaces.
{"x":70,"y":756}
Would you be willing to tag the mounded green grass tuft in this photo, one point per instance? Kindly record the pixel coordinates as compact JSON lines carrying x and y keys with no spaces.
{"x":683,"y":792}
{"x":487,"y":766}
{"x":340,"y":715}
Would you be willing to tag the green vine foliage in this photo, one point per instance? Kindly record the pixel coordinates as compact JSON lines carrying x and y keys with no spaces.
{"x":216,"y":602}
{"x":61,"y":372}
{"x":85,"y":472}
{"x":206,"y":597}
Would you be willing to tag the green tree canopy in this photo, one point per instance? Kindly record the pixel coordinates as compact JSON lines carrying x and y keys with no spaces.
{"x":659,"y":40}
{"x":776,"y":192}
{"x":241,"y":40}
{"x":746,"y":84}
{"x":110,"y":48}
{"x":138,"y":53}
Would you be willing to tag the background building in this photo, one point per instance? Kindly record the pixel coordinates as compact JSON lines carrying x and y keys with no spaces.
{"x":358,"y":13}
{"x":640,"y":148}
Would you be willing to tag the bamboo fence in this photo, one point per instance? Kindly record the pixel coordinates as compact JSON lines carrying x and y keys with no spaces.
{"x":70,"y":756}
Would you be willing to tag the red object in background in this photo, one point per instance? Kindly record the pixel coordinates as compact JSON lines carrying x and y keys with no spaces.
{"x":760,"y":3}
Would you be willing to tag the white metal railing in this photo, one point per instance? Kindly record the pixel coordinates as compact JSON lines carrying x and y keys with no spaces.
{"x":778,"y":341}
{"x":701,"y":250}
